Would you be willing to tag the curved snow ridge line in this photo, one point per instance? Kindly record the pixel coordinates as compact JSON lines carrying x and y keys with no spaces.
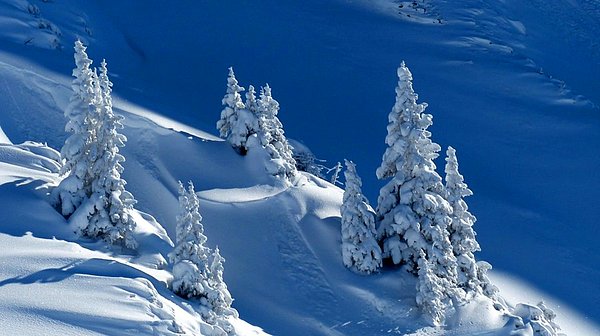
{"x":10,"y":173}
{"x":24,"y":156}
{"x":159,"y":120}
{"x":258,"y":193}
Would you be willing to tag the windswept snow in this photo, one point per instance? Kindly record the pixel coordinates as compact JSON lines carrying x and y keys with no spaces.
{"x":511,"y":85}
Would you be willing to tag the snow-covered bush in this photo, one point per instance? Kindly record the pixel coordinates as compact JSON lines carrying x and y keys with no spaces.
{"x":238,"y":123}
{"x":487,"y":288}
{"x":307,"y":162}
{"x":76,"y":186}
{"x":539,"y":317}
{"x":272,"y":138}
{"x":360,"y":250}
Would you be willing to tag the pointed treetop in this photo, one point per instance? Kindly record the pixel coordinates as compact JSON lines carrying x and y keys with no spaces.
{"x":251,"y":103}
{"x":351,"y":173}
{"x":104,"y":80}
{"x":81,"y":58}
{"x":404,"y":73}
{"x":269,"y":106}
{"x":233,"y":83}
{"x":191,"y":188}
{"x":267,"y":90}
{"x":454,"y":180}
{"x":181,"y":188}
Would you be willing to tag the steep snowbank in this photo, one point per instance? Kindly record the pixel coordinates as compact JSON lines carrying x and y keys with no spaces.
{"x":525,"y":139}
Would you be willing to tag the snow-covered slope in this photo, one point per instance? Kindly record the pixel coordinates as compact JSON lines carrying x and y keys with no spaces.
{"x":524,"y":120}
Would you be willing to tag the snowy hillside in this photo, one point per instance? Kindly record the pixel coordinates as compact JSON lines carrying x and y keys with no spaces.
{"x":514,"y":92}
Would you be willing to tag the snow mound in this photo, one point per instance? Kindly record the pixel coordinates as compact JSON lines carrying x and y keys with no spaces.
{"x":28,"y":161}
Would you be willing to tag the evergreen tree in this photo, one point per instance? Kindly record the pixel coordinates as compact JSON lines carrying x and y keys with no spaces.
{"x":462,"y":235}
{"x":91,"y":157}
{"x":251,"y":102}
{"x":111,"y":216}
{"x":190,"y":257}
{"x":412,"y":210}
{"x":219,"y":298}
{"x":360,"y":250}
{"x":76,"y":186}
{"x":237,"y":123}
{"x":472,"y":275}
{"x":233,"y":103}
{"x":430,"y":292}
{"x":272,"y":137}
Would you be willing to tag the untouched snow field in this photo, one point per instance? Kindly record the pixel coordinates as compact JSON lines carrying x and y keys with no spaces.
{"x":516,"y":93}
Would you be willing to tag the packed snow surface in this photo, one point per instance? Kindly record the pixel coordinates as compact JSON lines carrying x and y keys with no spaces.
{"x":512,"y":85}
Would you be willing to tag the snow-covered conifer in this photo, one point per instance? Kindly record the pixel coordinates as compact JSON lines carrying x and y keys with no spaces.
{"x":76,"y":186}
{"x":412,"y":209}
{"x":190,"y":257}
{"x":472,"y":275}
{"x":251,"y":102}
{"x":238,"y":123}
{"x":360,"y":250}
{"x":462,"y":235}
{"x":232,"y":102}
{"x":111,"y":215}
{"x":430,"y":292}
{"x":272,"y":137}
{"x":219,"y":297}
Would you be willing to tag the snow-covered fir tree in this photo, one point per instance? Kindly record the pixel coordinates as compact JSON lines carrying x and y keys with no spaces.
{"x":272,"y":137}
{"x":472,"y":275}
{"x":76,"y":186}
{"x":360,"y":250}
{"x":430,"y":292}
{"x":233,"y":103}
{"x":219,"y":298}
{"x":412,"y":210}
{"x":251,"y":102}
{"x":190,"y":256}
{"x":237,"y":123}
{"x":91,"y":157}
{"x":110,"y":217}
{"x":462,"y":235}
